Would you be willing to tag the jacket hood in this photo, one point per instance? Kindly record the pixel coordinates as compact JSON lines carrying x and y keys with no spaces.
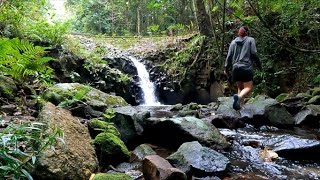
{"x":240,"y":41}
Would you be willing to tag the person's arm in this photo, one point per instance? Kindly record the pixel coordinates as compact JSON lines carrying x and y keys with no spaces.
{"x":254,"y":55}
{"x":228,"y":62}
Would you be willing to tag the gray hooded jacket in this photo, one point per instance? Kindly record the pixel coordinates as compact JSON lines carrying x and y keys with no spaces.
{"x":242,"y":52}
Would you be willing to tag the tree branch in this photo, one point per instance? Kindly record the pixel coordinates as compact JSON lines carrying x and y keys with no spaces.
{"x":277,"y":37}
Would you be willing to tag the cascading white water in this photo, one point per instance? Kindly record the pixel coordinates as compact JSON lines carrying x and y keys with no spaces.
{"x":148,"y":88}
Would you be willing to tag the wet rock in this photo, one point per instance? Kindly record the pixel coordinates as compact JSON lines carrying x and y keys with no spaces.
{"x":177,"y":107}
{"x":125,"y":123}
{"x":8,"y":88}
{"x":76,"y":158}
{"x":135,"y":174}
{"x":294,"y":148}
{"x":140,"y":152}
{"x":263,"y":110}
{"x":175,"y":131}
{"x":194,"y":113}
{"x":293,"y":104}
{"x":206,"y":178}
{"x":192,"y":158}
{"x":126,"y":167}
{"x":223,"y":121}
{"x":225,"y":108}
{"x":157,"y":168}
{"x":309,"y":116}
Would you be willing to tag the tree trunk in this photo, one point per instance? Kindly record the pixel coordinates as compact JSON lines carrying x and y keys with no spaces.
{"x":203,"y":19}
{"x":138,"y":20}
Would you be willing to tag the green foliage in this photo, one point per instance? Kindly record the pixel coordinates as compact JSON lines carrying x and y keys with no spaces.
{"x":316,"y":80}
{"x":21,"y":59}
{"x":103,"y":126}
{"x":53,"y":33}
{"x":109,"y":114}
{"x":180,"y":61}
{"x":20,"y":146}
{"x":74,"y":97}
{"x":154,"y":29}
{"x":29,"y":19}
{"x":177,"y":29}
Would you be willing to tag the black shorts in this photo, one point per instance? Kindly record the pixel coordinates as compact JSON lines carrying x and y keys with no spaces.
{"x":242,"y":75}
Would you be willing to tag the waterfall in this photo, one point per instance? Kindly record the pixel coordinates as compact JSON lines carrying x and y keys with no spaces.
{"x":148,"y":88}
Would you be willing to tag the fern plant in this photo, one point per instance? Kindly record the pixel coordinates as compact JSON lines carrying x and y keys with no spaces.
{"x":21,"y":59}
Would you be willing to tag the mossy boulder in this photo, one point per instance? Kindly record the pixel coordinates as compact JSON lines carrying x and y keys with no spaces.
{"x":111,"y":149}
{"x":112,"y":176}
{"x":8,"y":88}
{"x":84,"y":99}
{"x":97,"y":126}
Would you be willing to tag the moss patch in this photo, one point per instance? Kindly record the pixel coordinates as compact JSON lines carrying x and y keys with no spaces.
{"x":112,"y":176}
{"x":104,"y":126}
{"x":110,"y":149}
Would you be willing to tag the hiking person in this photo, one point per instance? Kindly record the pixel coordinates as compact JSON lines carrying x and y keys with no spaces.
{"x":242,"y":52}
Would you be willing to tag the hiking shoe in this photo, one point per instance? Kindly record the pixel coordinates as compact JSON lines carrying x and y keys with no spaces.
{"x":236,"y":102}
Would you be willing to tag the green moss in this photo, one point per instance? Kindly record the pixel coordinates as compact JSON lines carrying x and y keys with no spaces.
{"x":104,"y":126}
{"x":112,"y":176}
{"x":111,"y":144}
{"x":112,"y":100}
{"x":62,"y":92}
{"x":282,"y":97}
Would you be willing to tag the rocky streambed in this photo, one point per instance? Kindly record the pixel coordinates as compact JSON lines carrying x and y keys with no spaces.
{"x":106,"y":137}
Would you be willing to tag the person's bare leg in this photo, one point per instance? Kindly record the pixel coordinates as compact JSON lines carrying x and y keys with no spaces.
{"x":240,"y":86}
{"x":246,"y":90}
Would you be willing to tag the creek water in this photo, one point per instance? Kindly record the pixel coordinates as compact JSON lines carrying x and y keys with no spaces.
{"x":148,"y":88}
{"x":246,"y":160}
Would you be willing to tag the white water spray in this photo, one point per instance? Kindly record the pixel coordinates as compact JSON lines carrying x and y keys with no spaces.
{"x":148,"y":88}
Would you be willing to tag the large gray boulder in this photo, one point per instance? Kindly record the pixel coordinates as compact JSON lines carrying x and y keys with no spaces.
{"x":76,"y":158}
{"x":192,"y":158}
{"x":129,"y":121}
{"x":309,"y":115}
{"x":177,"y":130}
{"x":262,"y":109}
{"x":295,"y":148}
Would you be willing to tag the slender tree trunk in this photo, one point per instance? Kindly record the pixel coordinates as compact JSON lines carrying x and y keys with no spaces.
{"x":195,"y":14}
{"x":223,"y":26}
{"x":203,"y":19}
{"x":138,"y":20}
